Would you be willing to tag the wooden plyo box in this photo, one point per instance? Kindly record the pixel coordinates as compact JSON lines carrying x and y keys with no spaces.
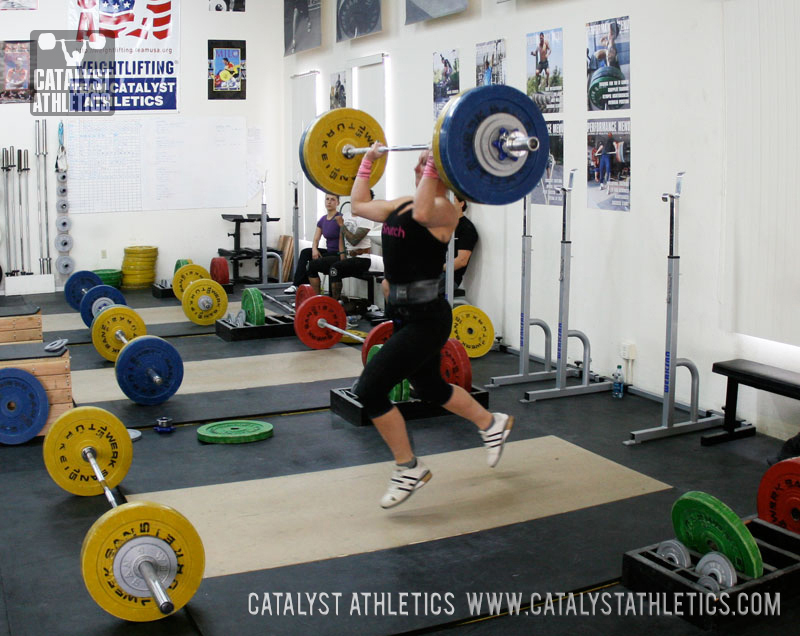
{"x":21,"y":328}
{"x":54,"y":374}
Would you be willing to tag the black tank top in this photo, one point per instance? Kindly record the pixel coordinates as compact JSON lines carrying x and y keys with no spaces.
{"x":410,"y":251}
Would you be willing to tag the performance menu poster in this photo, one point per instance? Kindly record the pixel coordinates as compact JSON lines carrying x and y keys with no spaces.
{"x":545,"y":69}
{"x":608,"y":64}
{"x":608,"y":154}
{"x":446,"y":80}
{"x":548,"y":190}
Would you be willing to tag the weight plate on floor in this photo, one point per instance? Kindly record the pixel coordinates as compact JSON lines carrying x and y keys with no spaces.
{"x":219,"y":270}
{"x":710,"y":583}
{"x":354,"y":336}
{"x":105,"y":543}
{"x":779,"y":495}
{"x":303,"y":293}
{"x":473,"y":329}
{"x":204,"y":301}
{"x":106,"y":295}
{"x":307,"y":327}
{"x":186,"y":275}
{"x":379,"y":334}
{"x":181,"y":262}
{"x":234,"y":432}
{"x":253,"y":306}
{"x":64,"y":242}
{"x":62,"y":206}
{"x":23,"y":406}
{"x":704,"y":524}
{"x":469,"y":151}
{"x":106,"y":324}
{"x":323,"y":143}
{"x":455,"y":365}
{"x":77,"y":429}
{"x":675,"y":552}
{"x":65,"y":265}
{"x":719,"y":566}
{"x":135,"y":435}
{"x":138,"y":364}
{"x":399,"y":392}
{"x":406,"y":391}
{"x":77,"y":285}
{"x":63,"y":223}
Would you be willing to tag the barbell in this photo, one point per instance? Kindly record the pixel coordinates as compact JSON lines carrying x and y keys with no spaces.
{"x":86,"y":293}
{"x":148,"y":369}
{"x":204,"y":300}
{"x":490,"y":145}
{"x":320,"y":323}
{"x":140,"y":561}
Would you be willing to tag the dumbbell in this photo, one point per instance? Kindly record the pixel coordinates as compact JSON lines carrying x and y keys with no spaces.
{"x":149,"y":370}
{"x":140,"y":561}
{"x":86,"y":293}
{"x":204,"y":300}
{"x":320,"y":320}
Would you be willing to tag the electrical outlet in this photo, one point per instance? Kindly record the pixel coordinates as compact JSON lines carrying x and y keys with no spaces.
{"x":103,"y":254}
{"x":627,"y":350}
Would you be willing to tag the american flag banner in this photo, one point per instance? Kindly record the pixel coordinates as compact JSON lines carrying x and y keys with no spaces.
{"x":145,"y":34}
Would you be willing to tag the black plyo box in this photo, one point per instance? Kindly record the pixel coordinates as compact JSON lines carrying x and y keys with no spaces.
{"x":644,"y":571}
{"x":160,"y":291}
{"x":346,"y":405}
{"x":273,"y":327}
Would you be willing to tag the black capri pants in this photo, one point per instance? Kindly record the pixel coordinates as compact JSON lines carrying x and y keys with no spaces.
{"x":413,"y":352}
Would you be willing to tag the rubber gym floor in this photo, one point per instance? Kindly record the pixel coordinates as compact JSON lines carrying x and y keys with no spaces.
{"x":298,"y":514}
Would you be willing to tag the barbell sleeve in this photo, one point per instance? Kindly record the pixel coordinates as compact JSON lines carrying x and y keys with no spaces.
{"x":157,"y":379}
{"x":325,"y":324}
{"x":148,"y":573}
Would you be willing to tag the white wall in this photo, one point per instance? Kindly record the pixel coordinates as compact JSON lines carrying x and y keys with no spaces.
{"x":619,"y":258}
{"x":194,"y":234}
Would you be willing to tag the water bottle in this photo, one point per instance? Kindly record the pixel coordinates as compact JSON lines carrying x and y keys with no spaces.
{"x":618,"y":386}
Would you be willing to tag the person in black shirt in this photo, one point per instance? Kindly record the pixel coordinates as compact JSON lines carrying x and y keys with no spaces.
{"x":415,"y":234}
{"x":464,"y":245}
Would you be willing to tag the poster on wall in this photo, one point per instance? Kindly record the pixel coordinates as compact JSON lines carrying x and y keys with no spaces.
{"x":421,"y":10}
{"x":227,"y":69}
{"x":15,"y":65}
{"x":446,"y":80}
{"x":548,"y":190}
{"x":490,"y":63}
{"x":12,"y":5}
{"x":545,"y":69}
{"x":226,"y":5}
{"x":145,"y":35}
{"x":339,"y":90}
{"x":302,"y":28}
{"x":608,"y":152}
{"x":355,"y":18}
{"x":608,"y":64}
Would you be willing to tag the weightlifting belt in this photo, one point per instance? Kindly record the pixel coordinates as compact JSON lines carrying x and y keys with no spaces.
{"x":416,"y":293}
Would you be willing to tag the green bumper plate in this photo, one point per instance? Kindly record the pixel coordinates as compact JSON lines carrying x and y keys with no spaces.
{"x":253,"y":306}
{"x":234,"y":432}
{"x":704,"y":524}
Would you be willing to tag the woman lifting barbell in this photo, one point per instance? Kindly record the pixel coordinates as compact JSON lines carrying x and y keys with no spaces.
{"x":415,"y":234}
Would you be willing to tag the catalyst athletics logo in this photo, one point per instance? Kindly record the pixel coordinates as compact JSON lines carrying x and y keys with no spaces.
{"x":70,"y":76}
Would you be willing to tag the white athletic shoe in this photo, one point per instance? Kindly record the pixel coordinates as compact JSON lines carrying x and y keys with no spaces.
{"x":291,"y":289}
{"x":494,"y":437}
{"x":404,"y":482}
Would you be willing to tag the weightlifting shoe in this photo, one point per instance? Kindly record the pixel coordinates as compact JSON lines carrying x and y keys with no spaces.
{"x":404,"y":482}
{"x":291,"y":289}
{"x":494,"y":437}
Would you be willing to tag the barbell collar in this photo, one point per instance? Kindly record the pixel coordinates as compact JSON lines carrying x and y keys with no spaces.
{"x":326,"y":325}
{"x":89,"y":455}
{"x":351,"y":151}
{"x":148,"y":573}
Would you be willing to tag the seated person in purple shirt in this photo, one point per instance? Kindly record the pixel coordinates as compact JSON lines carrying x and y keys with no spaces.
{"x":327,"y":227}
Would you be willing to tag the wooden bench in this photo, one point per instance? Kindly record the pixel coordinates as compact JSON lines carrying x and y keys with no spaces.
{"x":754,"y":374}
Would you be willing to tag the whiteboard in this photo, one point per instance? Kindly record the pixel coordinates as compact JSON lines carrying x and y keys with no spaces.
{"x":128,"y":164}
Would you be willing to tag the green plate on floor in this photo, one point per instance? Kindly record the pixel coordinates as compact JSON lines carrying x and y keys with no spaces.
{"x":234,"y":432}
{"x":704,"y":524}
